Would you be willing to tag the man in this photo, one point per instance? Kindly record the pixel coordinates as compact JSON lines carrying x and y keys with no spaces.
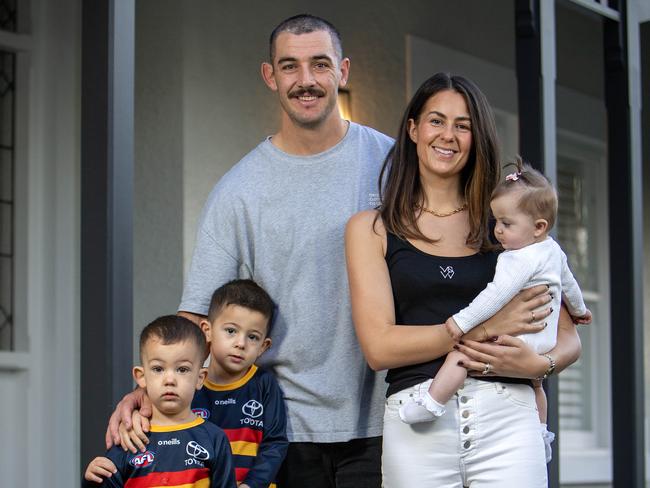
{"x":278,"y":216}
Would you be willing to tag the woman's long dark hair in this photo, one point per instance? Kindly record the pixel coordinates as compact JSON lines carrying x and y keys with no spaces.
{"x":400,"y":189}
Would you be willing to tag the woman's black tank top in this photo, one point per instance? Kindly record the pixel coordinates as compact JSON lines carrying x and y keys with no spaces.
{"x":427,"y":290}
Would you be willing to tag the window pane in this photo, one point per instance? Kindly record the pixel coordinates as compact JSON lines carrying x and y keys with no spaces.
{"x":575,"y":223}
{"x":8,"y":15}
{"x":576,"y":387}
{"x":576,"y":232}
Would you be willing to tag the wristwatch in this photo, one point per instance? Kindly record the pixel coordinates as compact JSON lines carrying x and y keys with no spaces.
{"x":551,"y":367}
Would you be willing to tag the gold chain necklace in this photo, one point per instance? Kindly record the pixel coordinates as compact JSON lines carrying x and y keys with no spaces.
{"x":446,"y":214}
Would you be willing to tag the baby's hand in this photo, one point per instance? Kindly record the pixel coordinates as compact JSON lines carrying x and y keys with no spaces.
{"x":453,"y":330}
{"x":99,"y":468}
{"x":584,"y":320}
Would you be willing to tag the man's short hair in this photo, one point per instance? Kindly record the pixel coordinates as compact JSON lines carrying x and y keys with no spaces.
{"x":173,"y":329}
{"x":244,"y":293}
{"x":304,"y":24}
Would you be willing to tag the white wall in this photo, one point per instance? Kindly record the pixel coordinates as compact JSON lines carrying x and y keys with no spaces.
{"x":39,"y":411}
{"x":158,"y":160}
{"x":54,"y":242}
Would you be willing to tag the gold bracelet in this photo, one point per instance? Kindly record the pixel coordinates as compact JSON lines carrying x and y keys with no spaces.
{"x":551,"y":367}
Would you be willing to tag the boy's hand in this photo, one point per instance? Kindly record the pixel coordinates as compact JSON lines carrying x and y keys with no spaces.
{"x":135,"y":439}
{"x":99,"y":468}
{"x":584,"y":320}
{"x":137,"y":399}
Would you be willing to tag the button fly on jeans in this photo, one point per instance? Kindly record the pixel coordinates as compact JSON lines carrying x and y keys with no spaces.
{"x":465,"y":414}
{"x":466,"y":429}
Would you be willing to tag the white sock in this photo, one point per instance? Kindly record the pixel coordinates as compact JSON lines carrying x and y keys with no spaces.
{"x":548,"y":438}
{"x":423,"y":409}
{"x":432,"y":405}
{"x":413,"y":412}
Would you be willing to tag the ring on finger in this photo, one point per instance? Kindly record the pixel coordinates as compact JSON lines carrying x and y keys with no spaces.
{"x":532,"y":316}
{"x":487,"y":369}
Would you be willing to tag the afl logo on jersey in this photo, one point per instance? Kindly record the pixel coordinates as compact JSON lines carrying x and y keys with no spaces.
{"x":201,"y":412}
{"x":252,"y":408}
{"x":142,"y":460}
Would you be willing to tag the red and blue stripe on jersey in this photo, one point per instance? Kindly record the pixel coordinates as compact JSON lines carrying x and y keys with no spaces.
{"x":252,"y":414}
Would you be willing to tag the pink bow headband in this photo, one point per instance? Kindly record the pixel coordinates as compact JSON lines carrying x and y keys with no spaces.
{"x":513,"y":176}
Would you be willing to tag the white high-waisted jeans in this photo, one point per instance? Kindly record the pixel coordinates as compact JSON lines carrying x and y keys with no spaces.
{"x":489,"y":437}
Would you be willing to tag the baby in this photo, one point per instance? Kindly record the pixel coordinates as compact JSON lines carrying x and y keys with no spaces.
{"x":525,"y":207}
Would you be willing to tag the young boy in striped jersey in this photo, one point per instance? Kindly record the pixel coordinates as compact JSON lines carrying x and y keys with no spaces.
{"x":184,"y":450}
{"x":245,"y":401}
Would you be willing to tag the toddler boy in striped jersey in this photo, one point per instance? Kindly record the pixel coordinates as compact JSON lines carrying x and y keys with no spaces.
{"x":183,"y":450}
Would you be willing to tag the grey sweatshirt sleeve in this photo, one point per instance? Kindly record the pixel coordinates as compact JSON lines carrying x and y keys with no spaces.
{"x":217,"y":253}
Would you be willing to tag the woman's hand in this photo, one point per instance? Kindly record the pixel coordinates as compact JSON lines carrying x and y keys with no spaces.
{"x":506,"y":356}
{"x":511,"y":357}
{"x":524,"y":314}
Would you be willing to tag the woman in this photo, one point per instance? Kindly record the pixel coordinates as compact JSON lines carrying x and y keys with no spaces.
{"x":420,"y":258}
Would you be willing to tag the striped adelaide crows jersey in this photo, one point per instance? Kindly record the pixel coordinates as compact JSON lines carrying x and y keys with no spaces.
{"x":252,"y":413}
{"x":192,"y":455}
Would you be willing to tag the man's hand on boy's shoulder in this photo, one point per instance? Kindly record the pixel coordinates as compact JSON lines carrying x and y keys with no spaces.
{"x":136,"y":400}
{"x":135,"y":439}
